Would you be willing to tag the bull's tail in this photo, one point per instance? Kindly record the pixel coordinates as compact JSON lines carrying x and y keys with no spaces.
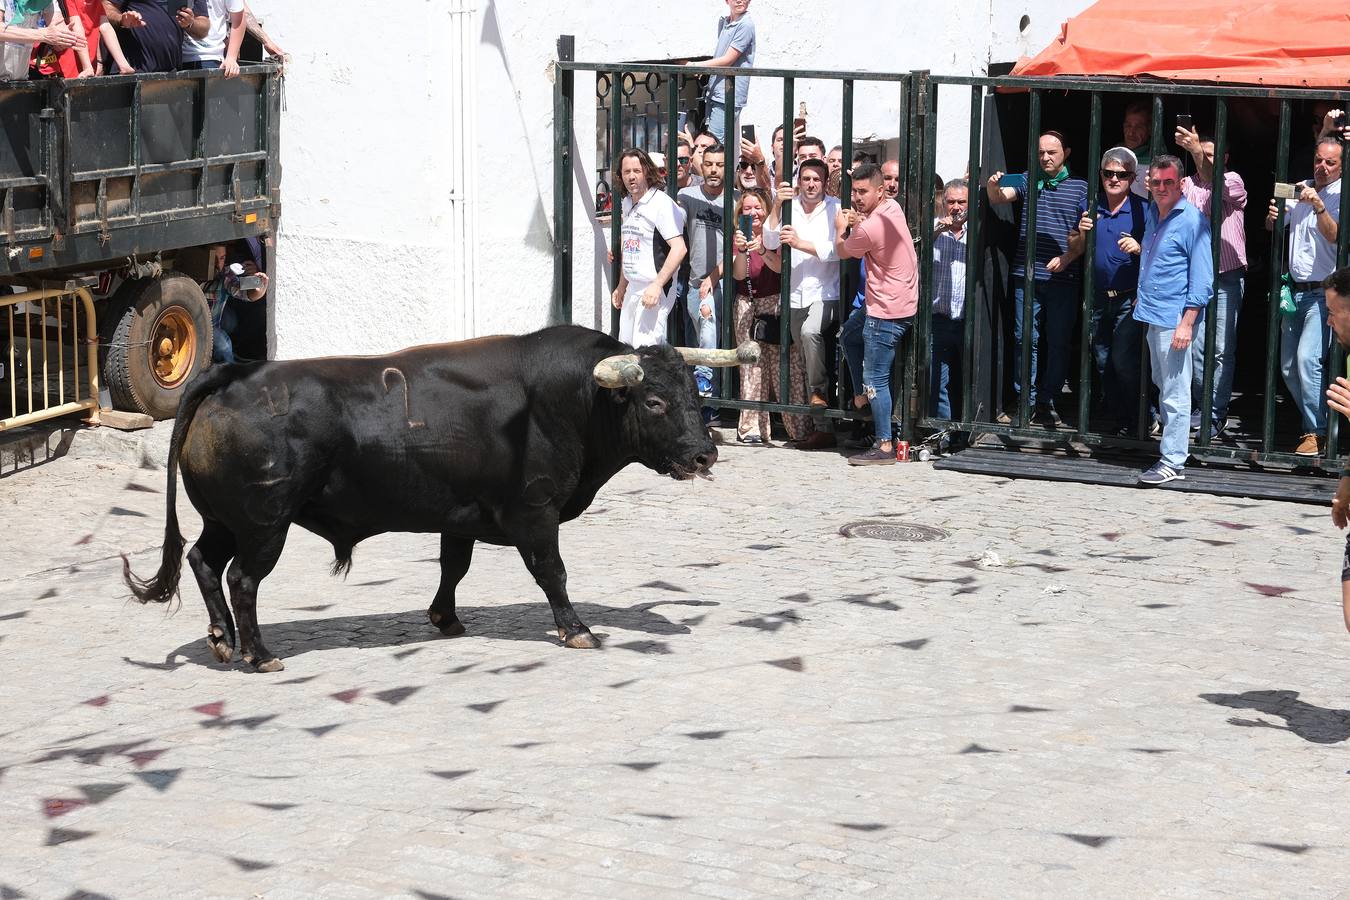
{"x":163,"y":587}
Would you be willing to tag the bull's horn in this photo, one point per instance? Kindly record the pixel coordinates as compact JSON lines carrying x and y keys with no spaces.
{"x":618,"y":371}
{"x":744,"y":355}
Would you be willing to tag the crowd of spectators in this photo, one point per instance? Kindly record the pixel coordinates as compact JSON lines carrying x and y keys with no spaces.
{"x":1151,"y":262}
{"x":84,"y":38}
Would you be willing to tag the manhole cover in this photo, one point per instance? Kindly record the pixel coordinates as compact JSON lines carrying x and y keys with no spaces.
{"x":893,"y":531}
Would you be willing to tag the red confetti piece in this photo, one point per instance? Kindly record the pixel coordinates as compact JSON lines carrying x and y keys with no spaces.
{"x":97,"y":701}
{"x":1270,"y":590}
{"x":59,"y":806}
{"x":347,"y":696}
{"x":215,"y":710}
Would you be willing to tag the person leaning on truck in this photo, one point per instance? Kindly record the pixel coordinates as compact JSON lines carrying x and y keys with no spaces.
{"x":18,"y":39}
{"x":219,"y":47}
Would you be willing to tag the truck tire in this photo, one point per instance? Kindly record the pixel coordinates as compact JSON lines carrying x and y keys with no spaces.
{"x":157,"y":337}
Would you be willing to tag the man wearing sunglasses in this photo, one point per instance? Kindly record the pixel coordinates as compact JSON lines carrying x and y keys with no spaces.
{"x":1119,"y":223}
{"x":699,"y":287}
{"x":1176,"y":275}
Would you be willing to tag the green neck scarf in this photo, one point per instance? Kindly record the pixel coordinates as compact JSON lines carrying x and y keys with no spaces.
{"x":1043,"y":183}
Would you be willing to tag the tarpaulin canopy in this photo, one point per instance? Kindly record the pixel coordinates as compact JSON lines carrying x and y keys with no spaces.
{"x":1281,"y":44}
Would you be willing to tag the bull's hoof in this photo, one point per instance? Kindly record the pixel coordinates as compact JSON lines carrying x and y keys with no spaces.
{"x":449,"y":626}
{"x":219,"y":645}
{"x":270,"y":665}
{"x":582,"y":640}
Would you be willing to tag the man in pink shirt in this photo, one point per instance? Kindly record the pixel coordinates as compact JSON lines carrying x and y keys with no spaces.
{"x":880,"y":237}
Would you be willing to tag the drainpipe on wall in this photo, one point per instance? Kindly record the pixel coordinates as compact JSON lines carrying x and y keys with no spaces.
{"x":463,"y":160}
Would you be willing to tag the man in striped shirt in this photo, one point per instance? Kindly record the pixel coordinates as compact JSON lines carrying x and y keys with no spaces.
{"x":1057,"y":275}
{"x":1197,"y":189}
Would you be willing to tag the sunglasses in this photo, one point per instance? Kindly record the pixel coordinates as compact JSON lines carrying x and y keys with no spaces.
{"x":1161,"y":182}
{"x":682,"y":159}
{"x":745,"y":164}
{"x":1115,"y":174}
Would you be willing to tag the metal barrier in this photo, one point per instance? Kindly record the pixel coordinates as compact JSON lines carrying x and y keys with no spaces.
{"x":982,"y":349}
{"x":41,"y":381}
{"x":977,"y":417}
{"x":617,"y":82}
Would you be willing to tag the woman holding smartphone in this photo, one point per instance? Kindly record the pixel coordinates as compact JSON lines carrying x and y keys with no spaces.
{"x":758,"y":309}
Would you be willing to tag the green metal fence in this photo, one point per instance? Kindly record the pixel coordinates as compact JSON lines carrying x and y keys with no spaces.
{"x":916,"y":101}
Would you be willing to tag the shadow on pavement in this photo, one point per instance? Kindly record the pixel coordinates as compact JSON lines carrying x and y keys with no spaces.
{"x":526,"y":621}
{"x":1312,"y":723}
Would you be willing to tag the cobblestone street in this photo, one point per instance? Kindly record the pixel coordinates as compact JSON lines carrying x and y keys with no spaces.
{"x":1143,"y":694}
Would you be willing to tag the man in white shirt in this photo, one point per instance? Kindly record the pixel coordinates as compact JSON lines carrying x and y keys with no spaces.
{"x":1304,"y":339}
{"x":219,"y":49}
{"x":652,"y":237}
{"x":815,"y":279}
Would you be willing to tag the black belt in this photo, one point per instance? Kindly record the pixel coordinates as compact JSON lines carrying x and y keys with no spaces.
{"x":1112,"y":295}
{"x":1304,"y":285}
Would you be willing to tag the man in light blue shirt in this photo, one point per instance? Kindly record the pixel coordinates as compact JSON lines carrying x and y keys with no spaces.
{"x":735,"y":47}
{"x":1176,"y":278}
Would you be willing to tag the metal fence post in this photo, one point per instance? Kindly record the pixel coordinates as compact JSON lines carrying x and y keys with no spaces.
{"x":727,"y":311}
{"x":1276,"y":269}
{"x":1335,"y":353}
{"x":563,"y":96}
{"x":1218,"y":191}
{"x":1086,"y":359}
{"x":1029,"y":262}
{"x":616,"y":189}
{"x":974,"y":254}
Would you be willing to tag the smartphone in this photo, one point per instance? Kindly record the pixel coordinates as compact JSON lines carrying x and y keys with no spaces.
{"x":1013,"y":180}
{"x":800,"y":120}
{"x":745,"y":225}
{"x":1285,"y":191}
{"x":1185,"y":121}
{"x":748,"y":133}
{"x":683,"y":122}
{"x":250,"y":282}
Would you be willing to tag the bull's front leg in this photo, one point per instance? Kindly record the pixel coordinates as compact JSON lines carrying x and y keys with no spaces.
{"x":538,"y":547}
{"x":455,"y":556}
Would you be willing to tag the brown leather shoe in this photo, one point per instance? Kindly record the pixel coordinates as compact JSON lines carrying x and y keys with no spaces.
{"x":818,"y":401}
{"x":1310,"y":445}
{"x":817,"y":440}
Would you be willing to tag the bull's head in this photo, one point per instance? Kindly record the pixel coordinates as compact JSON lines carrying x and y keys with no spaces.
{"x":662,"y":404}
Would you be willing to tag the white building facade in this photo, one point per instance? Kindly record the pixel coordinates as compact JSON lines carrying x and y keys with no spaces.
{"x":417,"y":142}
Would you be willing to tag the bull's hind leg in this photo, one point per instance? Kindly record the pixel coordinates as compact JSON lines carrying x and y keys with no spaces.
{"x":539,"y":549}
{"x":253,"y":562}
{"x":455,"y":556}
{"x":208,"y":559}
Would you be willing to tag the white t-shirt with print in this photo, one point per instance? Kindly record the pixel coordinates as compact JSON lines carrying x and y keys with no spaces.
{"x":654,"y":213}
{"x":212,"y":47}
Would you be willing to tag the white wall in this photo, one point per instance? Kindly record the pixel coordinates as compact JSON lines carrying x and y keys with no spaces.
{"x":368,"y":257}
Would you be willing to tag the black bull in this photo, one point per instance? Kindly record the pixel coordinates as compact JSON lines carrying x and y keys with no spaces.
{"x":498,"y":439}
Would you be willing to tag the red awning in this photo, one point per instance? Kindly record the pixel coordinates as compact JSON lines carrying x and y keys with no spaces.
{"x":1281,"y":44}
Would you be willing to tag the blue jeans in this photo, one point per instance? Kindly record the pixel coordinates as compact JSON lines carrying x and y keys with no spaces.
{"x":1228,"y":286}
{"x":851,"y":337}
{"x":1116,"y":339}
{"x":880,"y":338}
{"x":191,"y":65}
{"x":944,"y":375}
{"x":1172,"y":375}
{"x":1304,"y":342}
{"x":1052,"y":316}
{"x":223,"y":321}
{"x":703,"y":332}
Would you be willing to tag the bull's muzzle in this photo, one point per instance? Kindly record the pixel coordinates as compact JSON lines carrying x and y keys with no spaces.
{"x":744,"y":355}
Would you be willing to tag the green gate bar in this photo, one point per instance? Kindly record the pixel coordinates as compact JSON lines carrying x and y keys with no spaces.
{"x":785,"y":266}
{"x":563,"y":90}
{"x":1029,"y":261}
{"x":974,"y":252}
{"x":1276,"y":269}
{"x":1218,"y":190}
{"x":844,"y":304}
{"x":616,"y":188}
{"x":1086,"y":361}
{"x":916,"y":406}
{"x":727,"y":313}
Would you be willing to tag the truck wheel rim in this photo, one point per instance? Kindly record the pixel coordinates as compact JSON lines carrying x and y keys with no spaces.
{"x":173,"y":347}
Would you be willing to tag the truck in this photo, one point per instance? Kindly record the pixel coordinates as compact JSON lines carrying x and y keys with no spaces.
{"x":112,"y":191}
